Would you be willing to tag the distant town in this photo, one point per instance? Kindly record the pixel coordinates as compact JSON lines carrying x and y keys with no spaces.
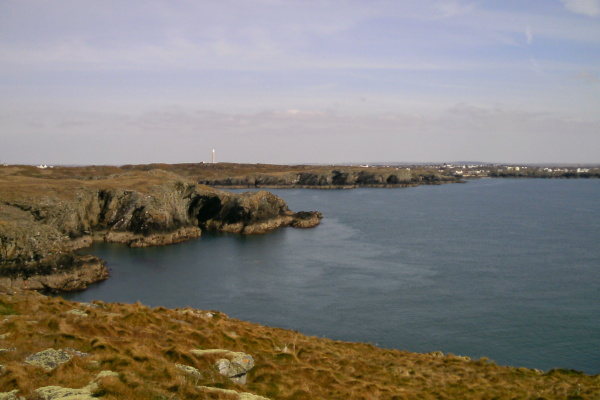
{"x":482,"y":170}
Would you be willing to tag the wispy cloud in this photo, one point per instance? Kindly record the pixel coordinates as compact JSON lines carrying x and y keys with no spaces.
{"x":535,"y":66}
{"x":586,"y":7}
{"x":450,"y":8}
{"x":587,"y":76}
{"x":529,"y":35}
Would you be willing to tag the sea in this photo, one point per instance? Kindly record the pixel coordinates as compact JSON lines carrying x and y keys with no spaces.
{"x":507,"y":269}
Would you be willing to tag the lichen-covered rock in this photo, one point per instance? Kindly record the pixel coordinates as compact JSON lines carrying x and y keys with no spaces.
{"x":105,"y":374}
{"x":189,"y":370}
{"x":237,"y":367}
{"x":240,"y":395}
{"x":77,"y":312}
{"x":11,"y":395}
{"x":85,"y":393}
{"x":62,"y":393}
{"x":51,"y":358}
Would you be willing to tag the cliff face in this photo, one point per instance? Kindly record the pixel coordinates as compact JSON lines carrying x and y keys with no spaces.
{"x":43,"y":220}
{"x":348,"y":177}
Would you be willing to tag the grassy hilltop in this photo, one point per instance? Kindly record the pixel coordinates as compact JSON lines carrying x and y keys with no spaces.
{"x":143,"y":347}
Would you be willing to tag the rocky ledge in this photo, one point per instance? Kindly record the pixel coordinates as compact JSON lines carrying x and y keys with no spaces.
{"x":334,"y":178}
{"x":44,"y":219}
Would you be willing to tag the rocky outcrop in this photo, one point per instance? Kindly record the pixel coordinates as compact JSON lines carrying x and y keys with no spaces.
{"x":75,"y":274}
{"x":50,"y":359}
{"x":88,"y":392}
{"x":247,"y":213}
{"x":42,"y":221}
{"x":233,"y":364}
{"x":12,"y":395}
{"x":349,"y":177}
{"x":237,"y":368}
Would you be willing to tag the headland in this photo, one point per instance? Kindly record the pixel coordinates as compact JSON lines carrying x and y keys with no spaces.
{"x":47,"y":214}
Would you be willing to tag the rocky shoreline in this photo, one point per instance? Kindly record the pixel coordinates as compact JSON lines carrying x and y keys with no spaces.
{"x":333,"y":178}
{"x":44,"y":219}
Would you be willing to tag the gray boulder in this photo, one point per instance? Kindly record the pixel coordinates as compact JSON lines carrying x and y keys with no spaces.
{"x":51,"y":358}
{"x":237,"y":368}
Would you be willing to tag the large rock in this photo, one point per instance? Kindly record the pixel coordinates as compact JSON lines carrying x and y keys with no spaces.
{"x":12,"y":395}
{"x":62,"y":393}
{"x":234,"y":364}
{"x":251,"y":212}
{"x":50,"y":359}
{"x":76,"y":274}
{"x":237,"y":367}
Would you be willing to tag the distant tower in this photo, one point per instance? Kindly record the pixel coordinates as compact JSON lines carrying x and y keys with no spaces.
{"x":214,"y":157}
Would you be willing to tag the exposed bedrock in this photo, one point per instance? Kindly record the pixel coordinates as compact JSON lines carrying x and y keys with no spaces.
{"x":43,"y":221}
{"x":257,"y":212}
{"x":334,"y":178}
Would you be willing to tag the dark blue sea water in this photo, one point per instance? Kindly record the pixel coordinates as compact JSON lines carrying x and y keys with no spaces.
{"x":503,"y":268}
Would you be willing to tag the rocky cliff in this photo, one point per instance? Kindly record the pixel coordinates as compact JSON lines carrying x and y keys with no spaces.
{"x":343,"y":177}
{"x":44,"y":219}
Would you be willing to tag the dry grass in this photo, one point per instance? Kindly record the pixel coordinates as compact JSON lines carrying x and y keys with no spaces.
{"x":143,"y":345}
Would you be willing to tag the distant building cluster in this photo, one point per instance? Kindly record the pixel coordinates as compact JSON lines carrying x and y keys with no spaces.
{"x":483,"y":170}
{"x":476,"y":170}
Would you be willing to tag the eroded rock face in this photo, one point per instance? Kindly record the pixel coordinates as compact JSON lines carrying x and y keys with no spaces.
{"x":43,"y":220}
{"x":77,"y":275}
{"x":248,"y":213}
{"x":334,"y":178}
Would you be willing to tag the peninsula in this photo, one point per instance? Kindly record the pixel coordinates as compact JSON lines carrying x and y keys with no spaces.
{"x":47,"y":214}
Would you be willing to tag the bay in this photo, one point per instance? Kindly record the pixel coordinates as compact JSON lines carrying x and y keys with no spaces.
{"x":507,"y":269}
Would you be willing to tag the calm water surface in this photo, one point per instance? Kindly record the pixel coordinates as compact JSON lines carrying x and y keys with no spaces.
{"x":501,"y":268}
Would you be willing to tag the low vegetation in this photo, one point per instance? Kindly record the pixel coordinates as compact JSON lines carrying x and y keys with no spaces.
{"x":143,"y":350}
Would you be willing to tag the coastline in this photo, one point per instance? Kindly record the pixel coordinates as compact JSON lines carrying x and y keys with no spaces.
{"x":42,"y":228}
{"x":289,"y":364}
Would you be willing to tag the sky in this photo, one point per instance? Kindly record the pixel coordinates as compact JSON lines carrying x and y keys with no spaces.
{"x":299,"y":81}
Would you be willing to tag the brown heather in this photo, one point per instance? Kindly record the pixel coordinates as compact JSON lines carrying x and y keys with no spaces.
{"x":143,"y":345}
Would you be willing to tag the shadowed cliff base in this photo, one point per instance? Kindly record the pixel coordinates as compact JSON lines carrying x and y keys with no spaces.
{"x":45,"y":215}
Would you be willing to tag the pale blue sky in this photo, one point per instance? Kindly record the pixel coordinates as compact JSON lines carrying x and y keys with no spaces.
{"x":312,"y":81}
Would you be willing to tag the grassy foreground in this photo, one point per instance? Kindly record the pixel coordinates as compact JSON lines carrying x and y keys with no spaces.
{"x":143,"y":345}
